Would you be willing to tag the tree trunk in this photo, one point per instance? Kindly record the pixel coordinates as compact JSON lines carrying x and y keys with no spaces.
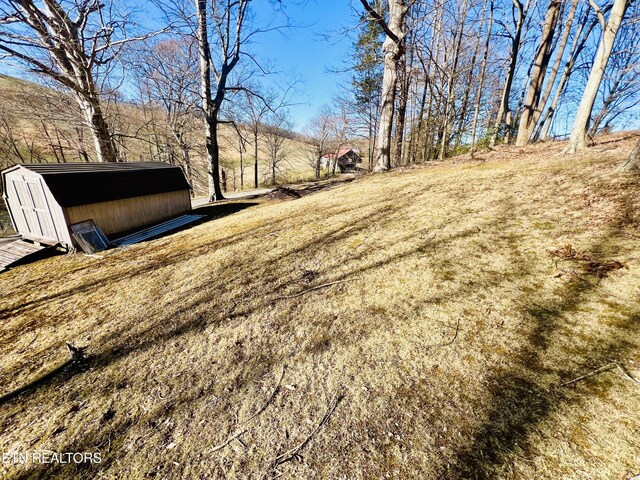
{"x":395,"y":31}
{"x":531,"y":110}
{"x":213,"y":157}
{"x":450,"y":101}
{"x":511,"y":71}
{"x":255,"y":156}
{"x":537,"y":125}
{"x":633,"y":162}
{"x":578,"y":138}
{"x":483,"y":70}
{"x":576,"y":47}
{"x":423,"y":100}
{"x":469,"y":80}
{"x":388,"y":96}
{"x":106,"y":150}
{"x":402,"y":107}
{"x":241,"y":149}
{"x":210,"y":110}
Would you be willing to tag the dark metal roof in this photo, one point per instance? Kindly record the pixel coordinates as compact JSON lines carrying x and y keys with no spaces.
{"x":83,"y":183}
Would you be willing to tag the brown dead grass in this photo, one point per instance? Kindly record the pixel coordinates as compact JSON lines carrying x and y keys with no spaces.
{"x":448,"y":339}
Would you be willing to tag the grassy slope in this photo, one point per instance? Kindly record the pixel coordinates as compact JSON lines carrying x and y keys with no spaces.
{"x":448,"y":340}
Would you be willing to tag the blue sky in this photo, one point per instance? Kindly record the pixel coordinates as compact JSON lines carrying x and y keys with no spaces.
{"x":310,"y":52}
{"x":315,"y":45}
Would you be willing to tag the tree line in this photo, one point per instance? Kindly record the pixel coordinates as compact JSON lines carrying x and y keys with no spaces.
{"x":460,"y":74}
{"x":428,"y":78}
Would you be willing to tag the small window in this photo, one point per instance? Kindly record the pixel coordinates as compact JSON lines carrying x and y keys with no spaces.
{"x":89,"y":236}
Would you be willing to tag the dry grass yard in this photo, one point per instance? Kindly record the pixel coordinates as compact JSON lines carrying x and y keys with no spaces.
{"x":442,"y":351}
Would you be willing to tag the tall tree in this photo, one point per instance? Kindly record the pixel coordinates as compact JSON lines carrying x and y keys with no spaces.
{"x":229,"y":19}
{"x":318,"y":131}
{"x":169,"y":79}
{"x":580,"y":37}
{"x":531,"y":110}
{"x":519,"y":11}
{"x":69,"y":42}
{"x":367,"y":78}
{"x":276,"y":133}
{"x":620,"y":88}
{"x":577,"y":140}
{"x":483,"y":71}
{"x":395,"y":30}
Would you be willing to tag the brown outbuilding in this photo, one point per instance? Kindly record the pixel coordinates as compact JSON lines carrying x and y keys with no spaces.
{"x":45,"y":199}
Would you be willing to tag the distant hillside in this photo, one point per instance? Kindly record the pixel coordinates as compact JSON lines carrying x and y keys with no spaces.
{"x":38,"y":124}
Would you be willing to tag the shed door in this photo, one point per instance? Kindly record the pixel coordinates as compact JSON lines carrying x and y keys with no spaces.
{"x":35,"y":209}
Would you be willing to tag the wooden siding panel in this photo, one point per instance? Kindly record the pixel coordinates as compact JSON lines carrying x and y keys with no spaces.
{"x":117,"y":216}
{"x":57,"y":216}
{"x":33,"y":208}
{"x":13,"y":204}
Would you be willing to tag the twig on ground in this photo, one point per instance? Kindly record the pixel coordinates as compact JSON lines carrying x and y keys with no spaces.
{"x":598,"y":370}
{"x":292,"y":453}
{"x":627,"y":374}
{"x":450,"y":342}
{"x":238,"y":433}
{"x":228,"y":440}
{"x":317,"y":287}
{"x":455,"y":334}
{"x":603,"y":368}
{"x":270,"y":399}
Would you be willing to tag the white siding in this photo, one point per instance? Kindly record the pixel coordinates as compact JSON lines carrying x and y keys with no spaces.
{"x":36,"y":214}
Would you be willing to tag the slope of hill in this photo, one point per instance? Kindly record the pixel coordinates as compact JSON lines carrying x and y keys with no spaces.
{"x":473,"y":319}
{"x":38,"y":124}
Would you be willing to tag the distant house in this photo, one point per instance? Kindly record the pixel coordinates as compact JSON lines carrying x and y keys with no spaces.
{"x":348,"y":159}
{"x":43,"y":200}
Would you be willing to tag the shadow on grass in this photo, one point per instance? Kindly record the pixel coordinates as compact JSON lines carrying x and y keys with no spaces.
{"x":517,"y":403}
{"x":219,"y":210}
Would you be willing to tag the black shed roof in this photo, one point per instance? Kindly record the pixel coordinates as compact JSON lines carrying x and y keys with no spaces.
{"x":82,"y":183}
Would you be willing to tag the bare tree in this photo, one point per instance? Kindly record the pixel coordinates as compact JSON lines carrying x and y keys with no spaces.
{"x":395,"y":30}
{"x":229,"y":19}
{"x":577,"y":140}
{"x":169,"y":78}
{"x":483,"y":71}
{"x":257,"y":108}
{"x":620,"y":87}
{"x":69,"y":42}
{"x":276,"y":133}
{"x":318,"y":131}
{"x":531,"y":111}
{"x":519,"y":11}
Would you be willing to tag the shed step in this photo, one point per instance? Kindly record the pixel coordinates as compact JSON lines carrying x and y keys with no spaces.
{"x":16,"y":251}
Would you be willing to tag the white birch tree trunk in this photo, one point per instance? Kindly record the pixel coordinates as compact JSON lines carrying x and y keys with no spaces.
{"x":577,"y":140}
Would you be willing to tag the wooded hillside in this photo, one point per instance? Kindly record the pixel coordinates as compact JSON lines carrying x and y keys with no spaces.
{"x":38,"y":124}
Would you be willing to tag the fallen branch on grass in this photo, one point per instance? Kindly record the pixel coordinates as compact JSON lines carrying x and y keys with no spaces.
{"x":228,"y":440}
{"x":318,"y":287}
{"x":270,"y":399}
{"x":293,"y":453}
{"x":237,"y":434}
{"x":602,"y":369}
